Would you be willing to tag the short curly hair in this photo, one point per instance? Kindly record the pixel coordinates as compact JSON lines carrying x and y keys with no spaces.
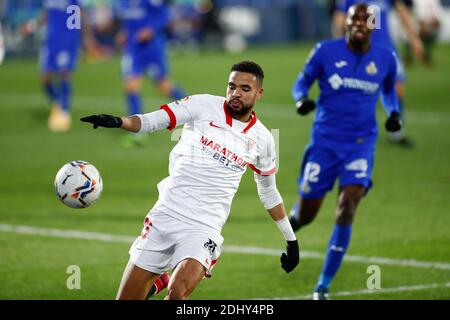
{"x":249,"y":67}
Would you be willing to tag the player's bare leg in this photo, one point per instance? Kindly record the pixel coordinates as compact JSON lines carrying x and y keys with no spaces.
{"x":165,"y":86}
{"x":304,"y":212}
{"x":132,"y":85}
{"x":170,"y":89}
{"x":185,"y":278}
{"x":136,"y":283}
{"x":348,"y":200}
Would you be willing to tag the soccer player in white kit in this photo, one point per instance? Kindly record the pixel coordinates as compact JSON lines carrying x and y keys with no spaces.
{"x":221,"y":138}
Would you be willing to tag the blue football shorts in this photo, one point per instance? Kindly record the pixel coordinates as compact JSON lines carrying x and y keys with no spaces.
{"x":138,"y":62}
{"x":322,"y":166}
{"x":58,"y":58}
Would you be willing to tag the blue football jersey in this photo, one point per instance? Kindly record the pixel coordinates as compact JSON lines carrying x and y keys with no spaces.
{"x":137,"y":14}
{"x":59,"y":35}
{"x":350,"y":84}
{"x":381,"y":35}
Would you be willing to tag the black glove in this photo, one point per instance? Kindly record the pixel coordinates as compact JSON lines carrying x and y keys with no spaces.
{"x":103,"y":120}
{"x":393,"y":123}
{"x":305,"y":106}
{"x":290,"y":258}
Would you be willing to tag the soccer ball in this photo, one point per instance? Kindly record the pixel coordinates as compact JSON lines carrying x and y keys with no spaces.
{"x":78,"y":184}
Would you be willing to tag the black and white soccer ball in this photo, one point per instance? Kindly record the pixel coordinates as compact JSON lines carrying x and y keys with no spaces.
{"x":78,"y":184}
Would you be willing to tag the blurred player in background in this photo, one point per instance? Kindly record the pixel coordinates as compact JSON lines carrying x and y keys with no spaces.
{"x":352,"y":72}
{"x":143,"y":38}
{"x":66,"y":27}
{"x":221,"y":138}
{"x":382,"y":37}
{"x":429,"y":14}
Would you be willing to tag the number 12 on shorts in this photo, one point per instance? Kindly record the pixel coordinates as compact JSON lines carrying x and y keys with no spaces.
{"x":312,"y":171}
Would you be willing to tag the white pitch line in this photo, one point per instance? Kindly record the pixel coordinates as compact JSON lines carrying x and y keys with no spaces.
{"x":352,"y":258}
{"x":367,"y":291}
{"x":69,"y":234}
{"x":85,"y":235}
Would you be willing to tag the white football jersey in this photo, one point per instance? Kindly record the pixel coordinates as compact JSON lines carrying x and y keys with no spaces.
{"x":208,"y":162}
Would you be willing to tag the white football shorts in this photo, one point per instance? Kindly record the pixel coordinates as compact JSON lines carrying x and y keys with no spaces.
{"x":165,"y":241}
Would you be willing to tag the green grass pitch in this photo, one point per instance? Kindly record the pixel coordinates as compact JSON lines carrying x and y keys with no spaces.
{"x":406,"y":216}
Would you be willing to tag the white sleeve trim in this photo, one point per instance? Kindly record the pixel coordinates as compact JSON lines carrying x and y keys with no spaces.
{"x":267,"y":191}
{"x":154,"y":121}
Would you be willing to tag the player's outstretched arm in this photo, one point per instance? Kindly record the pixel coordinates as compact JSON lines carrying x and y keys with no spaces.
{"x":312,"y":70}
{"x":148,"y":122}
{"x":131,"y":123}
{"x":389,"y":98}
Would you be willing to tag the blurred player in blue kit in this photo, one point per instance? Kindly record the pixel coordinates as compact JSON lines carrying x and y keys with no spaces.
{"x":382,"y":37}
{"x":352,"y":73}
{"x":66,"y":28}
{"x":143,"y":38}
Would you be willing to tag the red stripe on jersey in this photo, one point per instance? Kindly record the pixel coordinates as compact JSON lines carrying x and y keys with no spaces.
{"x":212,"y":263}
{"x":263,"y":173}
{"x":228,"y":117}
{"x":173,"y":119}
{"x":251,"y":124}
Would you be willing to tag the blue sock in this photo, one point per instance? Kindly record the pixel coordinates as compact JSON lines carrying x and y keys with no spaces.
{"x":177,"y":93}
{"x":66,"y":93}
{"x":339,"y":241}
{"x":134,"y":103}
{"x":50,"y":91}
